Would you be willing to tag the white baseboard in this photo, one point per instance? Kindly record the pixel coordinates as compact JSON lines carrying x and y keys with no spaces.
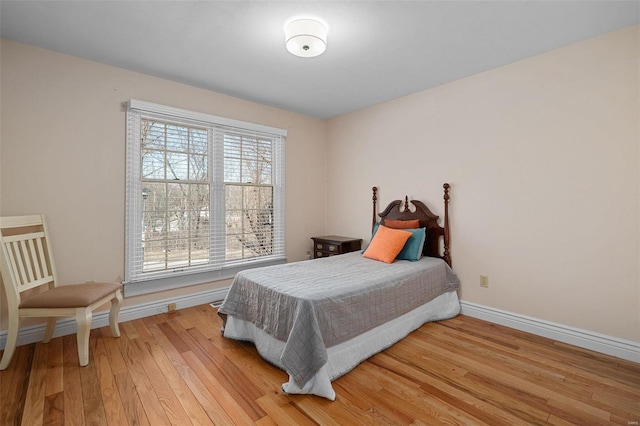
{"x":613,"y":346}
{"x":35,"y":333}
{"x":620,"y":348}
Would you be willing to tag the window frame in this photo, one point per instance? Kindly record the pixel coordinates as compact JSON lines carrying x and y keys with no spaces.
{"x":138,"y":282}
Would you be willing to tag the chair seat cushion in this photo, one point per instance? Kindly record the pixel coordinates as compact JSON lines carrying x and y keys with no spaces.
{"x":70,"y":296}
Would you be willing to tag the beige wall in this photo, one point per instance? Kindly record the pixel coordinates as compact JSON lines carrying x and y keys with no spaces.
{"x":543,"y":159}
{"x":62,"y":153}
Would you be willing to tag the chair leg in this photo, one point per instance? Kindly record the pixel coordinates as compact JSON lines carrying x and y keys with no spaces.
{"x":51,"y":326}
{"x":113,"y":314}
{"x":83,"y":318}
{"x":12,"y":339}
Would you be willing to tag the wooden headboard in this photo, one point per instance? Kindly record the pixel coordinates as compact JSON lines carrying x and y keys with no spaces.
{"x":400,"y":210}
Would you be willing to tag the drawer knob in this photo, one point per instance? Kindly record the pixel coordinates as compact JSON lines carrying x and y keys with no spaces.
{"x":332,"y":248}
{"x":319,"y":246}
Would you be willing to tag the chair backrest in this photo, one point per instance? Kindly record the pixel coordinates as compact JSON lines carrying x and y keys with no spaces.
{"x":26,"y":261}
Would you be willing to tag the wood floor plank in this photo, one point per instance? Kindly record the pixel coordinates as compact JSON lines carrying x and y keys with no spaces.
{"x":182,"y":318}
{"x":131,"y":403}
{"x":303,"y":414}
{"x":142,"y":332}
{"x":265,"y":421}
{"x":108,"y":388}
{"x":475,"y":328}
{"x":573,"y":379}
{"x":504,"y":355}
{"x":176,"y":341}
{"x":420,"y":405}
{"x":378,"y":409}
{"x":232,"y":373}
{"x":14,"y":383}
{"x":494,"y":371}
{"x":556,"y":378}
{"x":6,"y":376}
{"x":72,"y":385}
{"x":205,"y":391}
{"x":507,"y":399}
{"x":192,"y":380}
{"x":348,"y":389}
{"x":130,"y":330}
{"x":54,"y":379}
{"x":279,"y":414}
{"x":116,"y":361}
{"x":232,"y":380}
{"x":185,"y":396}
{"x":478,"y":401}
{"x":535,"y":368}
{"x":266,"y":377}
{"x":143,"y":384}
{"x":342,"y":411}
{"x":33,"y":414}
{"x":207,"y":321}
{"x":614,"y":399}
{"x":54,"y":409}
{"x":177,"y":368}
{"x":127,"y":350}
{"x":234,"y":408}
{"x":624,"y":420}
{"x":94,"y":410}
{"x":161,"y":383}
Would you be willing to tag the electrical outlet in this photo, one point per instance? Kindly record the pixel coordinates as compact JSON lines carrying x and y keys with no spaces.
{"x":171,"y":307}
{"x":484,"y":281}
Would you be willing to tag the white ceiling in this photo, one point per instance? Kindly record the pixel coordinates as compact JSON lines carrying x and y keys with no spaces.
{"x":377,"y":50}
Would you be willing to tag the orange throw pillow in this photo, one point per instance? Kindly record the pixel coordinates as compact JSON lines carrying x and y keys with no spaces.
{"x":402,"y":224}
{"x":386,"y":244}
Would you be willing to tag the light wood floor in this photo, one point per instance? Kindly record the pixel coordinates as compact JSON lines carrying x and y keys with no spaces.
{"x":177,"y":369}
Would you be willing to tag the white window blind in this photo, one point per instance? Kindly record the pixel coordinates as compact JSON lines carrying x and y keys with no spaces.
{"x":203,"y":193}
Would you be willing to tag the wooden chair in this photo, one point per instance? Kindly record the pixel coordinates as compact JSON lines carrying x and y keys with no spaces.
{"x":26,"y":262}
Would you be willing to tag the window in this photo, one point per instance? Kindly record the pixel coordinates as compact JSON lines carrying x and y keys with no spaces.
{"x":248,"y":196}
{"x":205,"y":197}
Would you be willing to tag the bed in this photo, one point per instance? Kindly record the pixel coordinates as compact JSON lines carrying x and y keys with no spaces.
{"x":318,"y":319}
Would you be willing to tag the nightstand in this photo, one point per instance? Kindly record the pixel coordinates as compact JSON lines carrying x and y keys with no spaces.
{"x":331,"y":245}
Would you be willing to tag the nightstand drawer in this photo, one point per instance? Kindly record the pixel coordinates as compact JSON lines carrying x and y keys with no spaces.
{"x":324,"y":254}
{"x":331,"y":248}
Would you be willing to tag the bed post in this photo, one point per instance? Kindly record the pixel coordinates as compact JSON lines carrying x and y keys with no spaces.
{"x":447,"y":255}
{"x":375,"y":199}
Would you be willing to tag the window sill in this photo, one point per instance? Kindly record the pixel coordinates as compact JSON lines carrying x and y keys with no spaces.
{"x":185,"y":280}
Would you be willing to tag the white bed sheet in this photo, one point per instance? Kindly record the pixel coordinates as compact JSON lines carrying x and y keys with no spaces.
{"x":343,"y":357}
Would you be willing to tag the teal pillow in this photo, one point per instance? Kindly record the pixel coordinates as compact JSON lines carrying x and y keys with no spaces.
{"x":412,"y":249}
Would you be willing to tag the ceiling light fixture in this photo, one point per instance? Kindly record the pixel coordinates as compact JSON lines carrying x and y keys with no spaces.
{"x":306,"y":37}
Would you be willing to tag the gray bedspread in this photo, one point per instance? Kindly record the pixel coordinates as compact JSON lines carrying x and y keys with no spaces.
{"x":313,"y":305}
